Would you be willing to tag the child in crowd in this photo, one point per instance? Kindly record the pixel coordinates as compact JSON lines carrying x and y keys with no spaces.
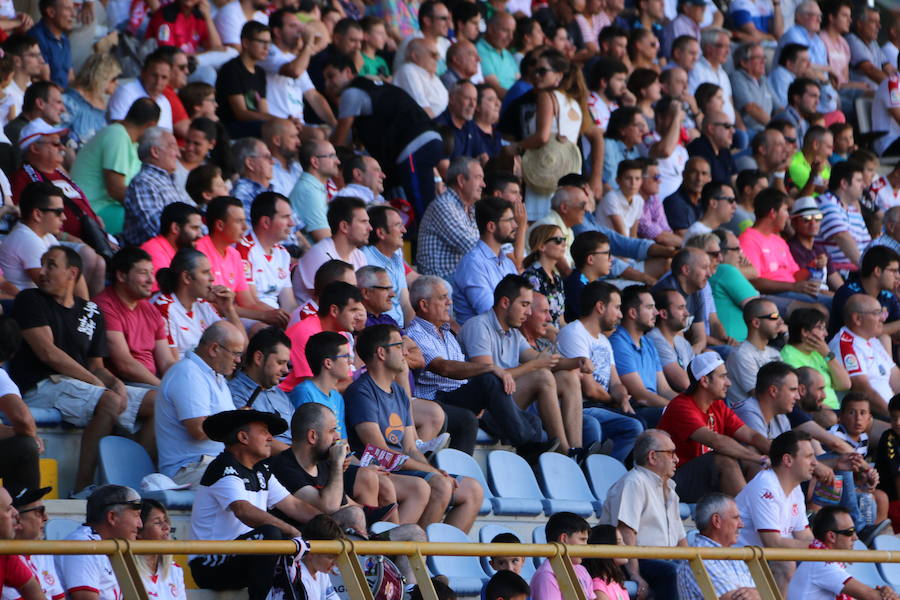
{"x":507,"y":563}
{"x":593,"y":259}
{"x":844,"y":143}
{"x":608,"y":579}
{"x":315,"y":569}
{"x":565,"y":528}
{"x":329,"y":358}
{"x":506,"y":585}
{"x":374,"y":40}
{"x":621,"y":209}
{"x":205,"y":183}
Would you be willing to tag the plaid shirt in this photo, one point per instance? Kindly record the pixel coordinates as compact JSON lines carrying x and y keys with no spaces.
{"x":726,"y":575}
{"x":447,"y":232}
{"x":151,"y":190}
{"x":246,"y":190}
{"x":434,"y":345}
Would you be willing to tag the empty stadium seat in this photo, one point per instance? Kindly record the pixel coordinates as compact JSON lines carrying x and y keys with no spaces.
{"x":603,"y":471}
{"x":516,"y":491}
{"x":538,"y":536}
{"x":890,"y":572}
{"x":58,"y":529}
{"x":486,"y":534}
{"x":460,"y":463}
{"x":381,"y":527}
{"x":564,"y":485}
{"x":867,"y":572}
{"x":125,"y":462}
{"x":464,"y":572}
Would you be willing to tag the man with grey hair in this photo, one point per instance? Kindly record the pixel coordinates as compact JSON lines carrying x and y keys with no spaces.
{"x":254,"y":164}
{"x":715,"y":45}
{"x":193,"y":389}
{"x":753,"y":96}
{"x":463,"y":63}
{"x":113,"y":513}
{"x":467,"y":139}
{"x":447,"y":378}
{"x":719,"y":521}
{"x":891,"y":235}
{"x":418,"y":77}
{"x":805,"y":31}
{"x":567,"y":208}
{"x":153,"y":188}
{"x":643,"y":506}
{"x":447,"y":230}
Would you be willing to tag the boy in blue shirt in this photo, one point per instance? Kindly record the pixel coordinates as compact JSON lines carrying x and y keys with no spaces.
{"x":329,"y":357}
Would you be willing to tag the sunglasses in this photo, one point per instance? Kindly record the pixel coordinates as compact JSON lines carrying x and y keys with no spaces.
{"x":849,"y":532}
{"x":726,"y":125}
{"x":713,"y":254}
{"x":773,"y":317}
{"x":811,"y":218}
{"x":541,"y":71}
{"x":729,"y":199}
{"x":41,"y":510}
{"x":557,"y":239}
{"x":56,"y":211}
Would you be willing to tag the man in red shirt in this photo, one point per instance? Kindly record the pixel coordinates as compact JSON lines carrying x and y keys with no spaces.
{"x":716,"y":451}
{"x":13,"y":570}
{"x":135,"y":331}
{"x":185,"y":24}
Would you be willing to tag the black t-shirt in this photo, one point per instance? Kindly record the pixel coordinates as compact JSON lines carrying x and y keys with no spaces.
{"x":292,"y":476}
{"x":235,"y":79}
{"x":887,"y":463}
{"x":79,"y":331}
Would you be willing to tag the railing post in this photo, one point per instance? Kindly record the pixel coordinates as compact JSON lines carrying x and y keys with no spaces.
{"x":125,"y":567}
{"x":703,"y":580}
{"x":354,"y":578}
{"x":762,"y":576}
{"x":565,"y":574}
{"x":426,"y":587}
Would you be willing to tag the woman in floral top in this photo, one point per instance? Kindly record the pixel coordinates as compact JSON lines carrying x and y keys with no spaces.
{"x":548,"y":247}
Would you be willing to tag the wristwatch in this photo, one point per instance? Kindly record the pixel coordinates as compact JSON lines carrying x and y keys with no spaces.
{"x":829,"y":357}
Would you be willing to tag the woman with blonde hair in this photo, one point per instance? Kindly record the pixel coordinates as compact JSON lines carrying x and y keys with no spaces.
{"x":562,"y":112}
{"x":548,"y":247}
{"x":162,"y":578}
{"x":88,"y":96}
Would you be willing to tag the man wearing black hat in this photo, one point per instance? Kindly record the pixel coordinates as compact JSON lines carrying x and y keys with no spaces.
{"x":233,"y":498}
{"x":113,"y":513}
{"x":32,"y":517}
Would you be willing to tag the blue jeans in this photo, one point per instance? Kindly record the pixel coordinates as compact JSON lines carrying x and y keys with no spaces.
{"x":661,"y":576}
{"x":604,"y":424}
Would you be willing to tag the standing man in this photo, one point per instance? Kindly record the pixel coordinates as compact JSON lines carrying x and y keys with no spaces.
{"x":241,"y":84}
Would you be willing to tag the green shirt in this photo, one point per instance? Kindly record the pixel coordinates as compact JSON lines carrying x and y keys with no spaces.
{"x":111,"y":149}
{"x":374,"y":66}
{"x":499,"y":63}
{"x":730,"y":289}
{"x":796,"y":359}
{"x":800,"y":170}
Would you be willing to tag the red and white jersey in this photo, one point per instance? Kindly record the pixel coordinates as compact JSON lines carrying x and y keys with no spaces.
{"x":270,"y":273}
{"x":170,"y":587}
{"x":184,"y":327}
{"x":864,"y":357}
{"x":600,"y":110}
{"x":885,"y":195}
{"x":88,"y":572}
{"x":45,"y":571}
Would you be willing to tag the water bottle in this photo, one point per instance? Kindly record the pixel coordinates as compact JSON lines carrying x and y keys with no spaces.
{"x":867,"y":507}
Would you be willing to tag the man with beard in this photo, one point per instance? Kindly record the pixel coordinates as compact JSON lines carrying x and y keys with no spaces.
{"x":458,"y":118}
{"x":675,"y":352}
{"x":607,"y":85}
{"x":689,"y":275}
{"x":180,"y":226}
{"x":479,"y":271}
{"x":282,"y":138}
{"x":135,"y":331}
{"x":764,"y":324}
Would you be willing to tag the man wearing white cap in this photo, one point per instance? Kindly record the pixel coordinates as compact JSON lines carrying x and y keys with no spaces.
{"x":806,"y":221}
{"x":714,"y":446}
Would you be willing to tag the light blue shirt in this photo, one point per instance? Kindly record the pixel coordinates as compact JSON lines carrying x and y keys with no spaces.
{"x":483,"y":336}
{"x":780,"y":79}
{"x":798,"y":34}
{"x":283,"y":180}
{"x":631,"y":358}
{"x":272,"y":400}
{"x":189,"y":389}
{"x":615,"y":153}
{"x":476,"y":276}
{"x":309,"y":200}
{"x":395,"y":267}
{"x":307,"y":391}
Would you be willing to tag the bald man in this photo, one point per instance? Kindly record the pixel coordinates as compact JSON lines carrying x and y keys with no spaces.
{"x":869,"y":365}
{"x":282,"y":138}
{"x":497,"y":63}
{"x":418,"y":77}
{"x":714,"y":143}
{"x":193,"y":389}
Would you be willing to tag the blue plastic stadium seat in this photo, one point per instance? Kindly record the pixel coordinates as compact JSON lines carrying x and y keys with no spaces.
{"x":603,"y":471}
{"x":125,"y":462}
{"x":564,"y":485}
{"x":460,"y":463}
{"x":516,"y":491}
{"x":59,"y":529}
{"x":538,"y":536}
{"x":43,"y":417}
{"x":890,"y":572}
{"x":486,"y":534}
{"x":686,"y":510}
{"x":381,"y":527}
{"x":483,"y":437}
{"x":464,"y":572}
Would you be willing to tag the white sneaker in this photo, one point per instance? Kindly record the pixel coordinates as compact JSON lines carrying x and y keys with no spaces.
{"x":435,"y":445}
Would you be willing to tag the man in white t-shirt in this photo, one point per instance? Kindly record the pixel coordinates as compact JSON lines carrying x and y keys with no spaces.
{"x":153,"y":80}
{"x":232,"y":503}
{"x":604,"y":394}
{"x":113,"y":513}
{"x":772,"y":518}
{"x":267,"y":265}
{"x":42,"y":217}
{"x":833,"y":528}
{"x":288,"y":84}
{"x":858,"y":344}
{"x":32,"y":517}
{"x":232,"y":17}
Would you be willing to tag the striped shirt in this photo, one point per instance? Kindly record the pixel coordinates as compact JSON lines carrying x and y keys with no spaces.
{"x":434,"y":343}
{"x":840,"y":218}
{"x":726,"y":575}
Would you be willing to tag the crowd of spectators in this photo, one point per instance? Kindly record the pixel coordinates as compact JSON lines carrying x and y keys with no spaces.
{"x":270,"y":239}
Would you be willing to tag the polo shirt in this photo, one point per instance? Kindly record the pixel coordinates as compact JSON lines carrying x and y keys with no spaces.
{"x":886,"y":298}
{"x":637,"y":500}
{"x":88,"y":572}
{"x":269,"y":273}
{"x":184,"y":327}
{"x":227,"y":270}
{"x":730,"y":289}
{"x":142,"y":326}
{"x":680,"y":211}
{"x":499,"y":63}
{"x":683,"y":417}
{"x":299,"y":333}
{"x":819,"y":580}
{"x":476,"y":276}
{"x":769,"y":254}
{"x":545,"y":586}
{"x":309,"y":201}
{"x":721,"y":164}
{"x":396,"y":269}
{"x":631,"y":358}
{"x":482,"y":335}
{"x":466,"y":139}
{"x":57,"y":53}
{"x":864,"y":357}
{"x":747,"y":90}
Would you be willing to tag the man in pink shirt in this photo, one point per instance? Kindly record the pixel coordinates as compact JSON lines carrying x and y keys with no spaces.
{"x":180,"y":226}
{"x":135,"y":331}
{"x":777,"y":270}
{"x":227,"y":223}
{"x":565,"y":528}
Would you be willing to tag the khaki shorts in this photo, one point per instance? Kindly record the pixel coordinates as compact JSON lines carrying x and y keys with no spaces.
{"x":77,"y":399}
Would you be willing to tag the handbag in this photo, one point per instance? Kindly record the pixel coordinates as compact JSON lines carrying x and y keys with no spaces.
{"x":91,"y":232}
{"x":543,"y":167}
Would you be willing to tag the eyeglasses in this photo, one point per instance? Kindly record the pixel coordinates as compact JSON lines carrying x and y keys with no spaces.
{"x":773,"y":317}
{"x":725,"y":125}
{"x":332,"y":155}
{"x":729,"y":199}
{"x":441,"y":17}
{"x":57,"y":211}
{"x":790,"y":140}
{"x":381,"y":287}
{"x":41,"y":510}
{"x":602,"y":252}
{"x":714,"y":253}
{"x":656,"y":177}
{"x":348,"y":356}
{"x":849,"y":532}
{"x":541,"y":71}
{"x":672,"y":452}
{"x":237,"y":355}
{"x":731,"y":249}
{"x":392,"y":345}
{"x":811,"y":218}
{"x":879,"y":312}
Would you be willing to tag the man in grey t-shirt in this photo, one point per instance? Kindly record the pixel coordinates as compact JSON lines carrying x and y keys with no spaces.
{"x":764,"y":324}
{"x":777,"y":391}
{"x":867,"y":61}
{"x":675,"y":352}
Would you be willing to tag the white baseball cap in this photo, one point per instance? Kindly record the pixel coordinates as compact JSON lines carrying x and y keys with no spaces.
{"x":157,"y":482}
{"x":704,"y":364}
{"x":36,"y":129}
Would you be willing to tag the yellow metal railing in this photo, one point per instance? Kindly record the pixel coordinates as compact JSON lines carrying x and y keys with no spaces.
{"x":122,"y":556}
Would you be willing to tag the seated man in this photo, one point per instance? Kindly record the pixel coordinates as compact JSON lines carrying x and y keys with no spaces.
{"x":60,"y":365}
{"x":494,"y":339}
{"x":378,"y":413}
{"x":833,"y":530}
{"x":690,"y":275}
{"x":180,"y":226}
{"x":857,"y":344}
{"x":32,"y":517}
{"x":764,"y":324}
{"x":591,"y":256}
{"x":715,"y":449}
{"x":886,"y":115}
{"x":675,"y":352}
{"x":878,"y":278}
{"x":564,"y":528}
{"x":643,"y":506}
{"x":772,"y":505}
{"x":330,"y":271}
{"x":233,"y":499}
{"x":139,"y":350}
{"x":718,"y":522}
{"x":241,"y":84}
{"x":385,"y":250}
{"x":113,"y":513}
{"x":773,"y":397}
{"x":20,"y":447}
{"x":255,"y":384}
{"x":193,"y":390}
{"x":844,"y":233}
